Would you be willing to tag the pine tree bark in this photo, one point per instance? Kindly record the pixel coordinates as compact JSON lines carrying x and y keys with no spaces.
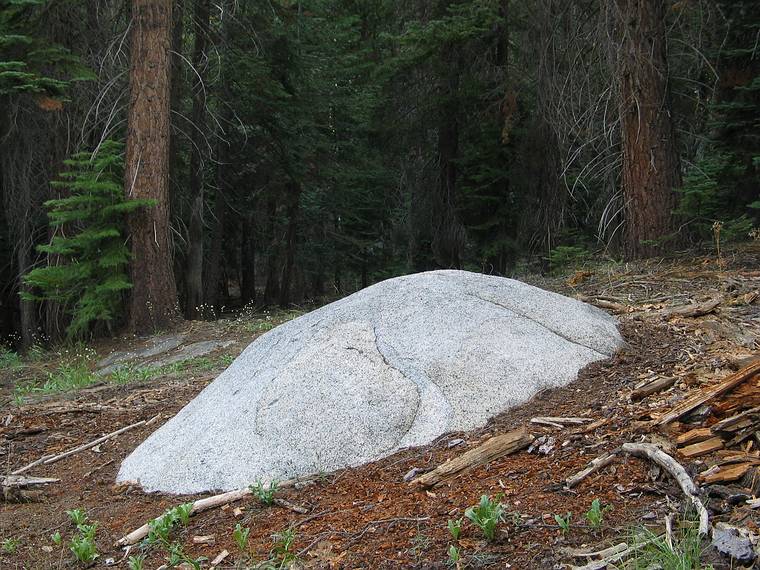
{"x":651,"y":169}
{"x":448,"y":232}
{"x":194,"y":273}
{"x":248,"y":259}
{"x":294,"y":194}
{"x":153,"y":302}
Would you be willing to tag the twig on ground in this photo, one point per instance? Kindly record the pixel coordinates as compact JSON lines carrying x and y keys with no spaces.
{"x":594,"y":465}
{"x":48,"y":459}
{"x":677,"y":471}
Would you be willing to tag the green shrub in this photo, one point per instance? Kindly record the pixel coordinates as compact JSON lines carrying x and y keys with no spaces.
{"x":708,"y":195}
{"x":565,"y":257}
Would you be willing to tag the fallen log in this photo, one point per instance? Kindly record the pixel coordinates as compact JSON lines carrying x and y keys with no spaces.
{"x":729,"y":383}
{"x":594,"y":465}
{"x":678,"y":473}
{"x":693,"y":310}
{"x":492,"y":449}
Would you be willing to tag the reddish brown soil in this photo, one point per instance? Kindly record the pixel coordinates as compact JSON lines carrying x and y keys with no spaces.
{"x":368,"y":517}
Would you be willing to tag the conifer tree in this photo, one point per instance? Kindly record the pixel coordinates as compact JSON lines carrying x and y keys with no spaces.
{"x":89,"y":237}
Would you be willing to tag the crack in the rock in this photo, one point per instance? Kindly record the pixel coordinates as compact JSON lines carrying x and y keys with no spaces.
{"x":524,"y":316}
{"x":416,"y":387}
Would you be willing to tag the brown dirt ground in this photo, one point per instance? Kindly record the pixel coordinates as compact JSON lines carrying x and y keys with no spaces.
{"x":368,"y":517}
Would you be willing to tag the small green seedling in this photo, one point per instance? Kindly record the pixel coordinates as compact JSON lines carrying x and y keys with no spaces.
{"x":178,"y":557}
{"x":487,"y":515}
{"x":455,"y":528}
{"x":264,"y":493}
{"x":182,"y":513}
{"x":10,"y":545}
{"x":595,"y":515}
{"x":77,"y":516}
{"x":240,"y":536}
{"x":83,"y":547}
{"x":136,"y":562}
{"x":455,"y":556}
{"x":160,"y":529}
{"x":564,"y":522}
{"x":56,"y":538}
{"x":282,"y":549}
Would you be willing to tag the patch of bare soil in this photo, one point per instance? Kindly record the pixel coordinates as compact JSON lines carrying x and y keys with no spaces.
{"x":370,"y":517}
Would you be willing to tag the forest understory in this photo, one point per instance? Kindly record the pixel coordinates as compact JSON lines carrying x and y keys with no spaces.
{"x":689,"y":322}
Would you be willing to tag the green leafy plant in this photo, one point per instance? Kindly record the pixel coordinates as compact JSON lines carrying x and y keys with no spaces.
{"x":56,"y":538}
{"x":282,"y":555}
{"x":595,"y":515}
{"x":264,"y":493}
{"x":455,"y":555}
{"x":563,"y":522}
{"x":10,"y":545}
{"x":136,"y":562}
{"x":182,"y":513}
{"x":77,"y":516}
{"x":9,"y":359}
{"x":177,"y":556}
{"x":160,"y":530}
{"x":72,"y":375}
{"x":240,"y":536}
{"x":91,"y":277}
{"x":455,"y":528}
{"x":487,"y":515}
{"x":83,"y":543}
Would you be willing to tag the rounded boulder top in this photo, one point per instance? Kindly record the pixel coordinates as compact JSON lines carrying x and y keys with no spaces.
{"x":394,"y":365}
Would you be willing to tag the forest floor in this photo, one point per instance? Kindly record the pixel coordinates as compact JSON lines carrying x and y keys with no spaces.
{"x":370,"y":517}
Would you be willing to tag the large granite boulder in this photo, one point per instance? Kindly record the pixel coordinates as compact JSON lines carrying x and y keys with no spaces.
{"x":394,"y":365}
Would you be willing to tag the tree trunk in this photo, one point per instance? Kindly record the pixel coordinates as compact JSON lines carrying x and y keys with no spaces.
{"x":248,"y":259}
{"x":272,"y":286}
{"x":651,"y":169}
{"x":175,"y":158}
{"x":194,"y":270}
{"x":153,"y":302}
{"x":294,"y":193}
{"x":448,"y":233}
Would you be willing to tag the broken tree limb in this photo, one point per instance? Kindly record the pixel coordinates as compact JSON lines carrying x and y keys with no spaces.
{"x":492,"y":449}
{"x":594,"y":465}
{"x":677,"y":471}
{"x":559,"y":422}
{"x":693,"y":310}
{"x":48,"y":459}
{"x":729,"y":383}
{"x":21,"y":481}
{"x":203,"y":505}
{"x":652,"y":387}
{"x":288,"y":505}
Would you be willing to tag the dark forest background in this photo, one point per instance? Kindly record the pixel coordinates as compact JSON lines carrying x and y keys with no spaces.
{"x":163,"y":157}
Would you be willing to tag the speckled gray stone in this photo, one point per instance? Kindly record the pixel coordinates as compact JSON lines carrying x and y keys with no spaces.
{"x":394,"y":365}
